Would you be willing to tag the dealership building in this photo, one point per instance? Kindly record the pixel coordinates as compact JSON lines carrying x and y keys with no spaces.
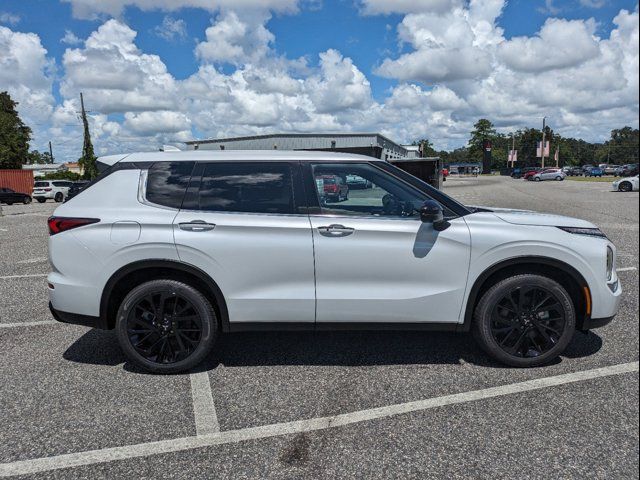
{"x":373,"y":145}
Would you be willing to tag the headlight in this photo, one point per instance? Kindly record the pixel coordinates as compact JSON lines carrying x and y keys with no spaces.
{"x":590,"y":232}
{"x":611,"y":263}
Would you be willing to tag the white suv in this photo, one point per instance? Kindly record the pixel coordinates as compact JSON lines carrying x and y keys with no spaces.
{"x":171,"y":248}
{"x":51,"y":189}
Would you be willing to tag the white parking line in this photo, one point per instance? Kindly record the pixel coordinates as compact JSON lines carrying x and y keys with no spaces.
{"x":32,"y":275}
{"x":204,"y":410}
{"x":36,"y":465}
{"x":626,"y":269}
{"x":28,"y":324}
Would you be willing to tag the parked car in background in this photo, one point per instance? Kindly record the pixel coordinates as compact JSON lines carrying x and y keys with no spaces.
{"x":629,"y":184}
{"x":76,"y":188}
{"x":549,"y":174}
{"x":574,"y":172}
{"x":333,"y":188}
{"x":355,"y":182}
{"x":610,"y":169}
{"x":56,"y":190}
{"x":529,"y":175}
{"x":628,"y":170}
{"x":587,"y":168}
{"x":9,"y":196}
{"x":594,"y":172}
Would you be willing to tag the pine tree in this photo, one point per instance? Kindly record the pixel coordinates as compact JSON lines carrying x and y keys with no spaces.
{"x":88,"y":160}
{"x":14,"y":135}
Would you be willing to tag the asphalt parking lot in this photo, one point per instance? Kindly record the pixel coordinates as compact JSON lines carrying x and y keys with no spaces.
{"x":311,"y":405}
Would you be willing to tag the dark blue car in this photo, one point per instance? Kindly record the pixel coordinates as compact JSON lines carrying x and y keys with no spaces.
{"x":594,"y":172}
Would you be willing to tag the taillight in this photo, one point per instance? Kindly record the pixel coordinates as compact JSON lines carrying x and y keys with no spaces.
{"x":62,"y":224}
{"x":47,"y":189}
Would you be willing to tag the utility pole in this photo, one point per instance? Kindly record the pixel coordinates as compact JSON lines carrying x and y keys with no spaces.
{"x":513,"y":149}
{"x":50,"y":151}
{"x":542,"y":150}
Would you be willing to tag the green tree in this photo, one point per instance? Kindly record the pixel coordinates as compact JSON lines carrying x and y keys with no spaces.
{"x":427,"y":147}
{"x":14,"y":135}
{"x":482,"y":130}
{"x":35,"y":157}
{"x":88,"y":159}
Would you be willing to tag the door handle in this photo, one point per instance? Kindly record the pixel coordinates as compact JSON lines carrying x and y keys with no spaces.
{"x":336,"y":231}
{"x":197,"y":226}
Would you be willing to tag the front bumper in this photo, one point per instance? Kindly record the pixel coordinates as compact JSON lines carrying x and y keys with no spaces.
{"x":591,"y":323}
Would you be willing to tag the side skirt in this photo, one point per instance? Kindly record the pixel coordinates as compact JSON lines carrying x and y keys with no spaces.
{"x":339,"y":326}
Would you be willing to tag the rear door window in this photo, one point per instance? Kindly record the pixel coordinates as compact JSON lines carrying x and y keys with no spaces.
{"x":167,"y":183}
{"x":41,"y":184}
{"x":246,"y":187}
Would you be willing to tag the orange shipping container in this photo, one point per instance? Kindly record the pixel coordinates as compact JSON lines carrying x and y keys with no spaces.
{"x":17,"y":180}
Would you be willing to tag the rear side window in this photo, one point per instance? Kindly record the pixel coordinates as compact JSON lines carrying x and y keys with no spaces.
{"x":247,"y":187}
{"x":167,"y":183}
{"x":41,"y":184}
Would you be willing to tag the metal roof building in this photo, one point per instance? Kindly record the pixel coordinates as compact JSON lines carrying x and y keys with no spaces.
{"x":370,"y":144}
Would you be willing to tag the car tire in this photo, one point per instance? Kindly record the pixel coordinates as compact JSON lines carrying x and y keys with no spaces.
{"x":59,"y":197}
{"x":175,"y":342}
{"x":508,"y":326}
{"x":625,"y":187}
{"x":537,"y":179}
{"x":26,"y":200}
{"x":41,"y":200}
{"x":559,"y":178}
{"x":9,"y":203}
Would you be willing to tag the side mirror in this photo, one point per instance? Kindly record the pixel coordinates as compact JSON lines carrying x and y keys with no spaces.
{"x":431,"y":212}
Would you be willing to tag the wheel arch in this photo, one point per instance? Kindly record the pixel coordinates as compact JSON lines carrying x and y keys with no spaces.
{"x":136,"y":273}
{"x":562,"y":272}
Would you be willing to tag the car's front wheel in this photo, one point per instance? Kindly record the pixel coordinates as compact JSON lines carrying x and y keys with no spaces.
{"x":625,"y":187}
{"x":26,"y":200}
{"x":537,"y":179}
{"x":166,"y":326}
{"x":525,"y":320}
{"x":41,"y":200}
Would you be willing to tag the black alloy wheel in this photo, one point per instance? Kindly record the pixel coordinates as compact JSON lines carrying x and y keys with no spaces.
{"x":528,"y":322}
{"x":525,"y":320}
{"x":59,"y":197}
{"x":26,"y":200}
{"x":166,"y":326}
{"x":625,"y":187}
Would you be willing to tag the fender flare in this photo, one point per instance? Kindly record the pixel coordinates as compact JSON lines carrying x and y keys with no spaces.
{"x":211,"y":285}
{"x":527,"y":259}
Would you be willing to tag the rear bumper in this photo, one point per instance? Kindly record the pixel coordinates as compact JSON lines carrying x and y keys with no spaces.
{"x":77,"y":319}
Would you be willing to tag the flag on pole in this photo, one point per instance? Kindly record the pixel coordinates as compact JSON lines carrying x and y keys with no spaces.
{"x":547,"y":149}
{"x":556,"y":157}
{"x":513,"y":156}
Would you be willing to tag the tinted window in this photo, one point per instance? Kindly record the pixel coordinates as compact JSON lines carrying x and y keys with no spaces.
{"x":62,"y":184}
{"x":167,"y":182}
{"x":246,"y":187}
{"x":41,"y":184}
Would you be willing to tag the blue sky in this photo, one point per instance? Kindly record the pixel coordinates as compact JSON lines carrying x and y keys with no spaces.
{"x":386,"y":55}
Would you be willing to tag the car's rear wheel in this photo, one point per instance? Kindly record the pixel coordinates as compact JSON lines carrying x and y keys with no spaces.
{"x":59,"y":197}
{"x":166,"y":326}
{"x":525,"y":320}
{"x":625,"y":187}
